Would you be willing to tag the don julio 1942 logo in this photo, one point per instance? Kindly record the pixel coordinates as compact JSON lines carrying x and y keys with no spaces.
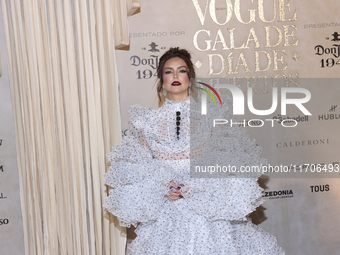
{"x":330,"y":53}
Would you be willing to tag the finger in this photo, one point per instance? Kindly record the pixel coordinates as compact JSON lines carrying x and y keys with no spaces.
{"x":170,"y":198}
{"x":173,"y":199}
{"x":177,"y":193}
{"x":176,"y":196}
{"x":174,"y":185}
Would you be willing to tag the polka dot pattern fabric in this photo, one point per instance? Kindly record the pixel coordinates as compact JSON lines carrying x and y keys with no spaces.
{"x":211,"y":218}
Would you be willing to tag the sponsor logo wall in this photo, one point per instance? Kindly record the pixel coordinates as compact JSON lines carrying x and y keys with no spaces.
{"x":262,"y":45}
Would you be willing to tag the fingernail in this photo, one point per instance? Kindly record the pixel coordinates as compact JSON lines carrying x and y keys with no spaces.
{"x":180,"y":196}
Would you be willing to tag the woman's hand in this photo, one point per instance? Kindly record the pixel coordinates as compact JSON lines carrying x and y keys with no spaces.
{"x":174,"y":195}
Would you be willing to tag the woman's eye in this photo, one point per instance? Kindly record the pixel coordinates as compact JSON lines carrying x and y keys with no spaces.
{"x":168,"y":72}
{"x":183,"y":71}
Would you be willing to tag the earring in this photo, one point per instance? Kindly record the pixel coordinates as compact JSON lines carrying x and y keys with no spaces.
{"x":189,"y":91}
{"x":164,"y":92}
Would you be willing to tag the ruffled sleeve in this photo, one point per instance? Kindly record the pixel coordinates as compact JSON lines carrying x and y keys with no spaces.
{"x":226,"y":195}
{"x":231,"y":199}
{"x":137,"y":194}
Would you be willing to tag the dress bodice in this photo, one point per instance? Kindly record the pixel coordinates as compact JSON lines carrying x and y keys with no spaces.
{"x":159,"y":126}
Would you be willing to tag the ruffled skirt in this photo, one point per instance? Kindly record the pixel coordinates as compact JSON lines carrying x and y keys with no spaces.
{"x":180,"y":231}
{"x":209,"y":220}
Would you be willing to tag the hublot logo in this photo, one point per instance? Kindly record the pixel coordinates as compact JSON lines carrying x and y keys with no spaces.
{"x":330,"y":116}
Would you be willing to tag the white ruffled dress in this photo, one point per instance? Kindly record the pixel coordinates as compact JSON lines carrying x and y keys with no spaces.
{"x":211,"y":218}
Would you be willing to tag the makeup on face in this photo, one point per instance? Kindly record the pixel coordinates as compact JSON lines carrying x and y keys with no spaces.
{"x":175,"y":78}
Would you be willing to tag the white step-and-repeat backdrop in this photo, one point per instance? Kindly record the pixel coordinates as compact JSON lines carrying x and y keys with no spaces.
{"x":260,"y":44}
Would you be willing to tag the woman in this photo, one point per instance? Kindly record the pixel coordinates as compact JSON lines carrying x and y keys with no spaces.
{"x":150,"y":176}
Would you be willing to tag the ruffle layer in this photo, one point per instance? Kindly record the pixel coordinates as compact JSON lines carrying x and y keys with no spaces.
{"x":179,"y":226}
{"x":139,"y":194}
{"x":138,"y":202}
{"x":223,"y":199}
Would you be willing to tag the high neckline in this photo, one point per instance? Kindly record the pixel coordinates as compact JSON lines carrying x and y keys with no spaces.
{"x":185,"y":100}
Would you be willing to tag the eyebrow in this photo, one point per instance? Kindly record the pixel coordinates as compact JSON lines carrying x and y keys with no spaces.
{"x":173,"y":68}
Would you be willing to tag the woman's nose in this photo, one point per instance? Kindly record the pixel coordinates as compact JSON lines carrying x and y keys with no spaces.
{"x":175,"y":75}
